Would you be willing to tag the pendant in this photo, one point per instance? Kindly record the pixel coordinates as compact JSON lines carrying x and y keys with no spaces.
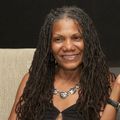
{"x":72,"y":91}
{"x":63,"y":95}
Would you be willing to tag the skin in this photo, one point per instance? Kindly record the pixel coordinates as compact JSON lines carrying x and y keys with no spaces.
{"x":67,"y":46}
{"x":19,"y":93}
{"x":109,"y":111}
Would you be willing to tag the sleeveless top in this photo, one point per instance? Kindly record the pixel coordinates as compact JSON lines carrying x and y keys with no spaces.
{"x":69,"y":113}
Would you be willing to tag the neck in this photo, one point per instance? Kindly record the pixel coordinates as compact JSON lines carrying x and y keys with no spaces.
{"x":68,"y":76}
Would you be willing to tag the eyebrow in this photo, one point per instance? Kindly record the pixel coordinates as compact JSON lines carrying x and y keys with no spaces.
{"x":57,"y":34}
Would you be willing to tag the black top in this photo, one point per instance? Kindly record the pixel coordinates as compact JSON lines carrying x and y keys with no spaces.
{"x":69,"y":113}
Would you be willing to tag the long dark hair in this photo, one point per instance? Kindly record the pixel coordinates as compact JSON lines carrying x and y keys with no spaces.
{"x":94,"y":81}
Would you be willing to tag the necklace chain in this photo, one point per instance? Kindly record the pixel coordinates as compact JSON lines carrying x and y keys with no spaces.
{"x":65,"y":94}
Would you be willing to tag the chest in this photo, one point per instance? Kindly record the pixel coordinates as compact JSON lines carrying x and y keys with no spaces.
{"x":62,"y":104}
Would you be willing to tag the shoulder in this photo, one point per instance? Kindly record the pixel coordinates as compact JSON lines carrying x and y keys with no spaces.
{"x":18,"y":95}
{"x":116,"y":81}
{"x":112,"y":79}
{"x":24,"y":79}
{"x":23,"y":83}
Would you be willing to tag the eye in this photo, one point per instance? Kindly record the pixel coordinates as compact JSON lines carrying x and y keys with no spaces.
{"x":58,"y":39}
{"x":77,"y":38}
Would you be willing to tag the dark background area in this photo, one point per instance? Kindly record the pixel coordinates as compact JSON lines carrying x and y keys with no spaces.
{"x":20,"y":22}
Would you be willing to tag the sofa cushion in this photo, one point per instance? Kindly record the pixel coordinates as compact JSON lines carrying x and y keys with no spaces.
{"x":14,"y":63}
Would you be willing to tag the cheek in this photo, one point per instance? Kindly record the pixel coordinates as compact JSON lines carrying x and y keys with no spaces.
{"x":80,"y":45}
{"x":54,"y":49}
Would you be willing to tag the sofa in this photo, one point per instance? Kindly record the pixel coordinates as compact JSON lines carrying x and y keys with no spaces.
{"x":14,"y":63}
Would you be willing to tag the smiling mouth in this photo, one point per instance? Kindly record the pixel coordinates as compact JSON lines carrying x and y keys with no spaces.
{"x":70,"y":57}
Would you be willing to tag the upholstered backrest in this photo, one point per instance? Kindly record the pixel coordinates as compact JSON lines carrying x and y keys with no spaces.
{"x":14,"y":63}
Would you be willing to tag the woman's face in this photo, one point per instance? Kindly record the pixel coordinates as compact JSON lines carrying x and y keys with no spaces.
{"x":67,"y":43}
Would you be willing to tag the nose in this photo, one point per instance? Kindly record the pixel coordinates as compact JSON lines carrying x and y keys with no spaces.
{"x":68,"y":45}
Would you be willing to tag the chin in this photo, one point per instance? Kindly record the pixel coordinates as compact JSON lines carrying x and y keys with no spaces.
{"x":71,"y":67}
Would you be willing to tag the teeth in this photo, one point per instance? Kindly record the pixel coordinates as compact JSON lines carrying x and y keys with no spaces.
{"x":69,"y":57}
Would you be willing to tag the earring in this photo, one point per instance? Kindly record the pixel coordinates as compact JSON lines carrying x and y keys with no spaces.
{"x":56,"y":62}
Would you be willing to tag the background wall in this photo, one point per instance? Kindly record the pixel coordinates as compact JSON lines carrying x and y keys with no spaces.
{"x":21,"y":21}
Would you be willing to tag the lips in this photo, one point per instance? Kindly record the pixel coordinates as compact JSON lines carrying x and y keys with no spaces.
{"x":70,"y":57}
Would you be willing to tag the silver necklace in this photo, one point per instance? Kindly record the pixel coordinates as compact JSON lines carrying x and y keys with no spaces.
{"x":65,"y":94}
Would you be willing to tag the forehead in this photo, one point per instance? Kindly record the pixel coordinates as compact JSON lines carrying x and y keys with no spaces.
{"x":66,"y":24}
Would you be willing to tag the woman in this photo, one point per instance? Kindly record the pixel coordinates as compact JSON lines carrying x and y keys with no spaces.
{"x":69,"y":78}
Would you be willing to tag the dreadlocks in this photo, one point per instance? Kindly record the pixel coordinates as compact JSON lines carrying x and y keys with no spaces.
{"x":94,"y":81}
